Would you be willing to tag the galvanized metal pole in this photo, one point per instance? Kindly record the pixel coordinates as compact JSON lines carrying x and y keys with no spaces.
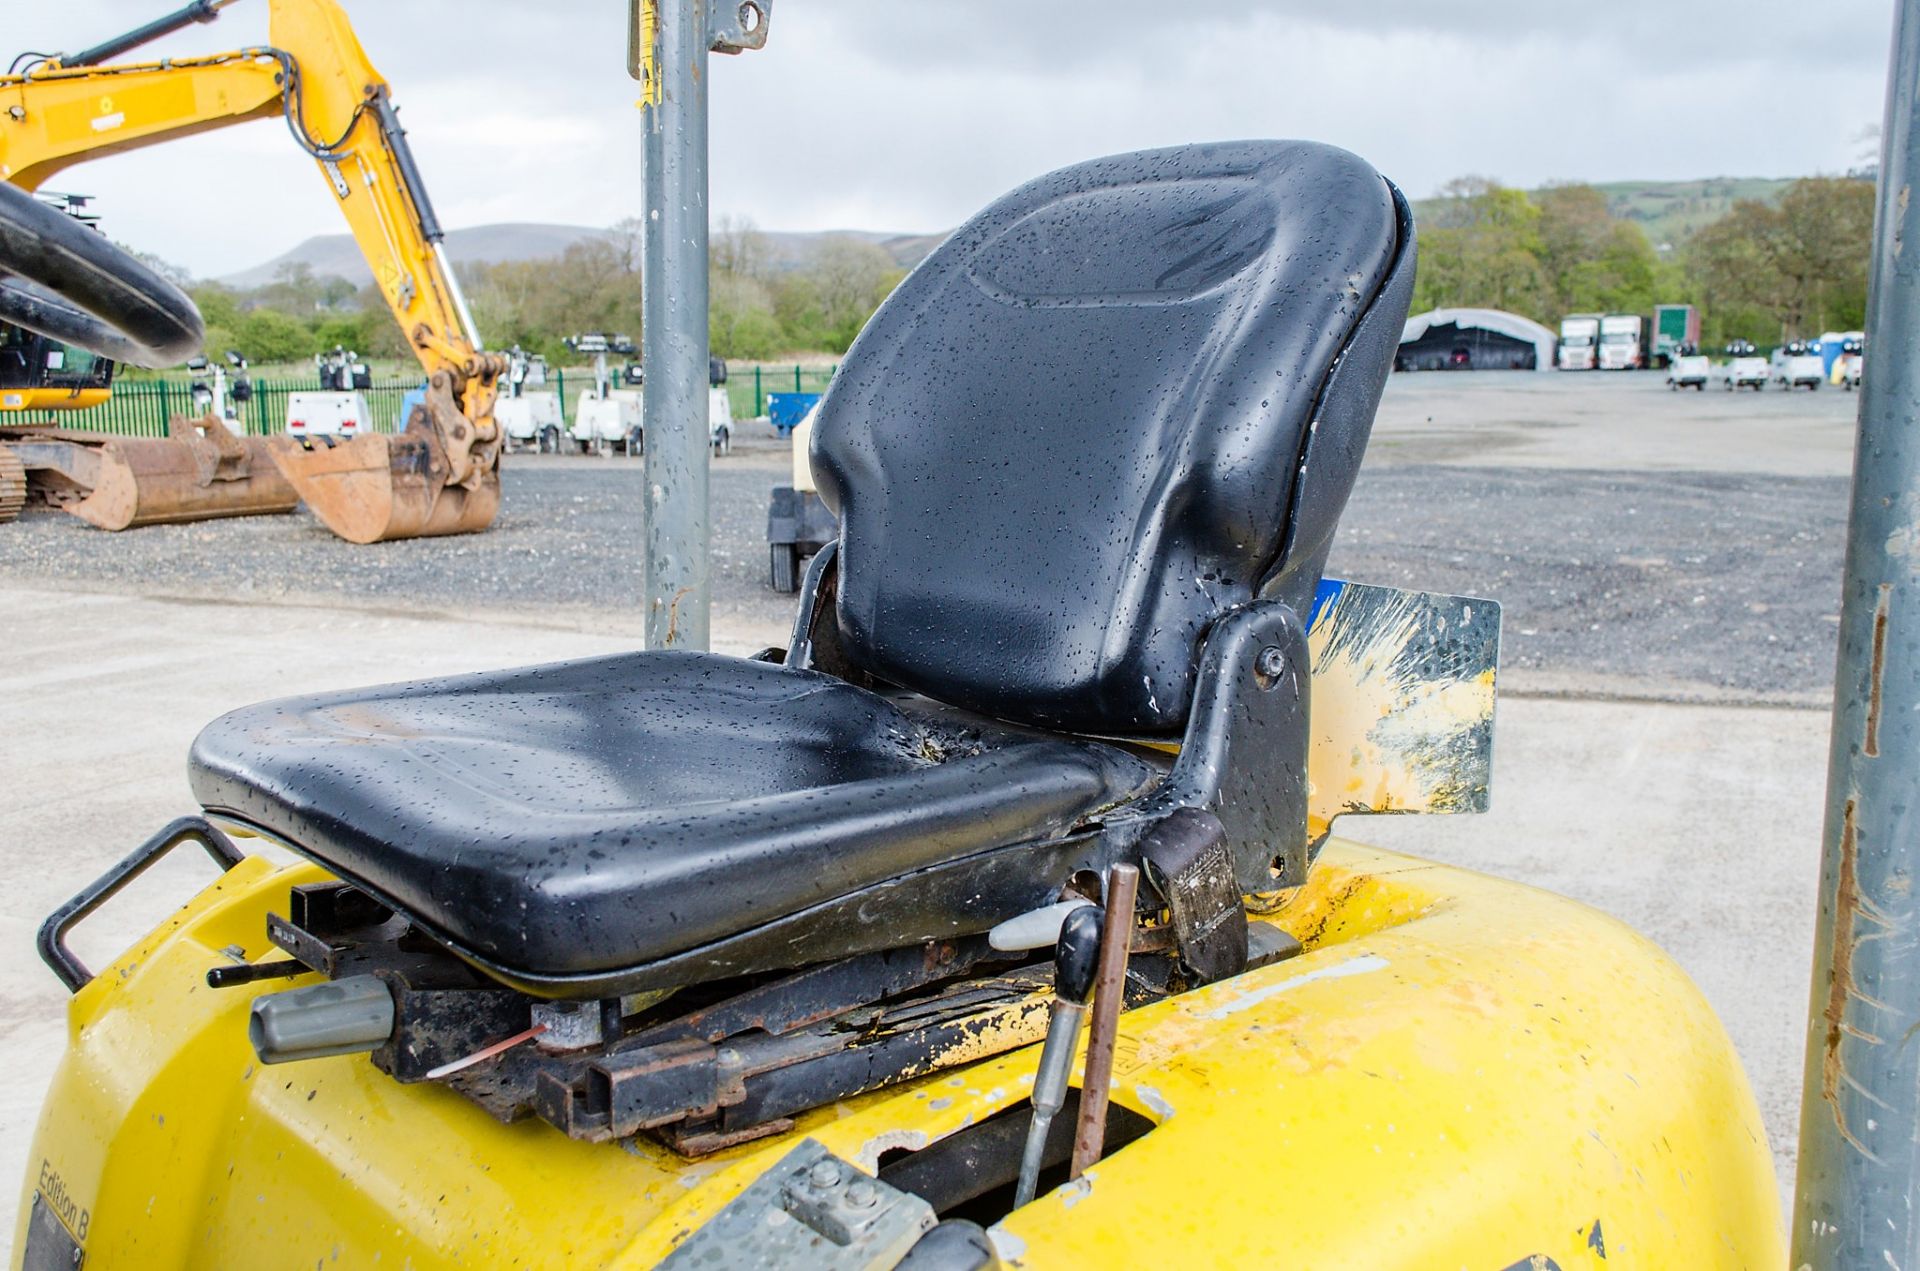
{"x":673,"y":343}
{"x":1857,"y":1203}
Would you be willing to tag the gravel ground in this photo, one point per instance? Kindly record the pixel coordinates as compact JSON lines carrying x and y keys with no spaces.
{"x":565,"y":542}
{"x":1694,"y":568}
{"x":1721,"y":586}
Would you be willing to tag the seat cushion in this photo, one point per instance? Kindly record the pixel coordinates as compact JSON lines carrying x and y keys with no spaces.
{"x":583,"y":818}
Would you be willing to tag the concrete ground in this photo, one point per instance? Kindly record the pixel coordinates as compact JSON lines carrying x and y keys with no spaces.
{"x":1696,"y":821}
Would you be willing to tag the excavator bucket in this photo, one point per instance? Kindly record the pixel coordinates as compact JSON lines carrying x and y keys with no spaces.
{"x":376,"y":487}
{"x":198,"y":472}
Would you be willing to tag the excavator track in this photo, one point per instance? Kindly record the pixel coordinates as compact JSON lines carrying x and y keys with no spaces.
{"x":13,"y":485}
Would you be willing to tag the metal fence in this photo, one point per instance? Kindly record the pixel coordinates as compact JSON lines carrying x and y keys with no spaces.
{"x":141,"y":408}
{"x":749,"y":385}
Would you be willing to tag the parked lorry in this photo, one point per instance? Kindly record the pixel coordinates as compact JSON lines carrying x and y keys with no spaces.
{"x":1673,"y":326}
{"x":1579,"y":339}
{"x":1623,"y":342}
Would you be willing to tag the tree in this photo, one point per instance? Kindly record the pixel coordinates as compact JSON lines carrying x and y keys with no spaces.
{"x":740,"y":321}
{"x":737,"y":247}
{"x":1733,"y":280}
{"x":217,"y":304}
{"x":851,"y":278}
{"x":1575,"y":229}
{"x":267,"y":335}
{"x":1619,"y":278}
{"x":1798,"y":269}
{"x":1824,"y":244}
{"x":1482,"y":248}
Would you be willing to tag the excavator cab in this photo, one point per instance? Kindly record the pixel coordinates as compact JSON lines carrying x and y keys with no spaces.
{"x":37,"y":373}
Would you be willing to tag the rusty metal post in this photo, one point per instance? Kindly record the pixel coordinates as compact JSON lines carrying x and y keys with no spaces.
{"x":1857,"y":1201}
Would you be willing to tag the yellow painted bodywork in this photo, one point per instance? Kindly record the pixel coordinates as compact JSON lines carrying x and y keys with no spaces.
{"x":24,"y":399}
{"x":1458,"y":1072}
{"x":55,"y":116}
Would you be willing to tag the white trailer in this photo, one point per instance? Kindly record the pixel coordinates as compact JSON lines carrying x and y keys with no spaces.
{"x":329,"y":413}
{"x":1794,"y":366}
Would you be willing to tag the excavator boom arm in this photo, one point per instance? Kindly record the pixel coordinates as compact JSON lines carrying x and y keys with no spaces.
{"x":315,"y":76}
{"x":339,"y":109}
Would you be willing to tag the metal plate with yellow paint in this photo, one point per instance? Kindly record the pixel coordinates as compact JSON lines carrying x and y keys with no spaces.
{"x":1403,"y":698}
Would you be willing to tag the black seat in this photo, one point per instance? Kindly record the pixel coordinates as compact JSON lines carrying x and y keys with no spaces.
{"x":1119,"y":407}
{"x":563,"y":823}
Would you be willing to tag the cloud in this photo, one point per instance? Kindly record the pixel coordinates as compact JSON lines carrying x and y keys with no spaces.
{"x":911,"y":116}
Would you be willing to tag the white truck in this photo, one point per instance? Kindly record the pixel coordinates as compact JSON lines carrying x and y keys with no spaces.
{"x":1622,"y":342}
{"x":609,"y":417}
{"x":1579,"y":337}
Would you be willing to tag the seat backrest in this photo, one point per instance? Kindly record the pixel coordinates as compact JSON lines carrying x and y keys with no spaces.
{"x":1124,"y":399}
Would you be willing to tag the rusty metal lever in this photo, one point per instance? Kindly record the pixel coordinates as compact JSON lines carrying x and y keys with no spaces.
{"x":1096,"y":1081}
{"x":1075,"y":959}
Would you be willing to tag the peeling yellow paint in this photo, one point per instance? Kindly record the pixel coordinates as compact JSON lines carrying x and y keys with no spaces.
{"x":1382,"y":735}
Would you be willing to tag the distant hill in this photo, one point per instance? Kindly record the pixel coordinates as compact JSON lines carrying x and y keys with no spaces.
{"x":335,"y":254}
{"x":1670,"y":211}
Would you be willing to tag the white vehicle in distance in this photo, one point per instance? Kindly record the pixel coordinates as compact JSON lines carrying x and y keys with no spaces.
{"x":339,"y":407}
{"x":719,"y":406}
{"x":1793,"y":366}
{"x":529,"y":416}
{"x":1852,"y":364}
{"x":327,"y":414}
{"x":1622,"y":342}
{"x":720,"y":417}
{"x":605,"y":418}
{"x":1579,"y":337}
{"x":1744,"y":368}
{"x":1688,"y":367}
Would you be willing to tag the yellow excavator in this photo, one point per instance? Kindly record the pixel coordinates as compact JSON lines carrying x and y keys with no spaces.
{"x":441,"y":475}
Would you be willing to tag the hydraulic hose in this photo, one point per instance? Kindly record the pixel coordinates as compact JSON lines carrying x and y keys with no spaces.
{"x":72,"y":284}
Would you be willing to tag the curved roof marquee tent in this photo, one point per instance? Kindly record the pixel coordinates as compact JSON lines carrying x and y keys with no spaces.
{"x":1493,"y":337}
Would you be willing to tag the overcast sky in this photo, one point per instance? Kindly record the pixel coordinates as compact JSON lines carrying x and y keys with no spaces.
{"x":908,"y":115}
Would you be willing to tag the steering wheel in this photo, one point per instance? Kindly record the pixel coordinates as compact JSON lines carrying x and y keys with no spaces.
{"x":71,"y":284}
